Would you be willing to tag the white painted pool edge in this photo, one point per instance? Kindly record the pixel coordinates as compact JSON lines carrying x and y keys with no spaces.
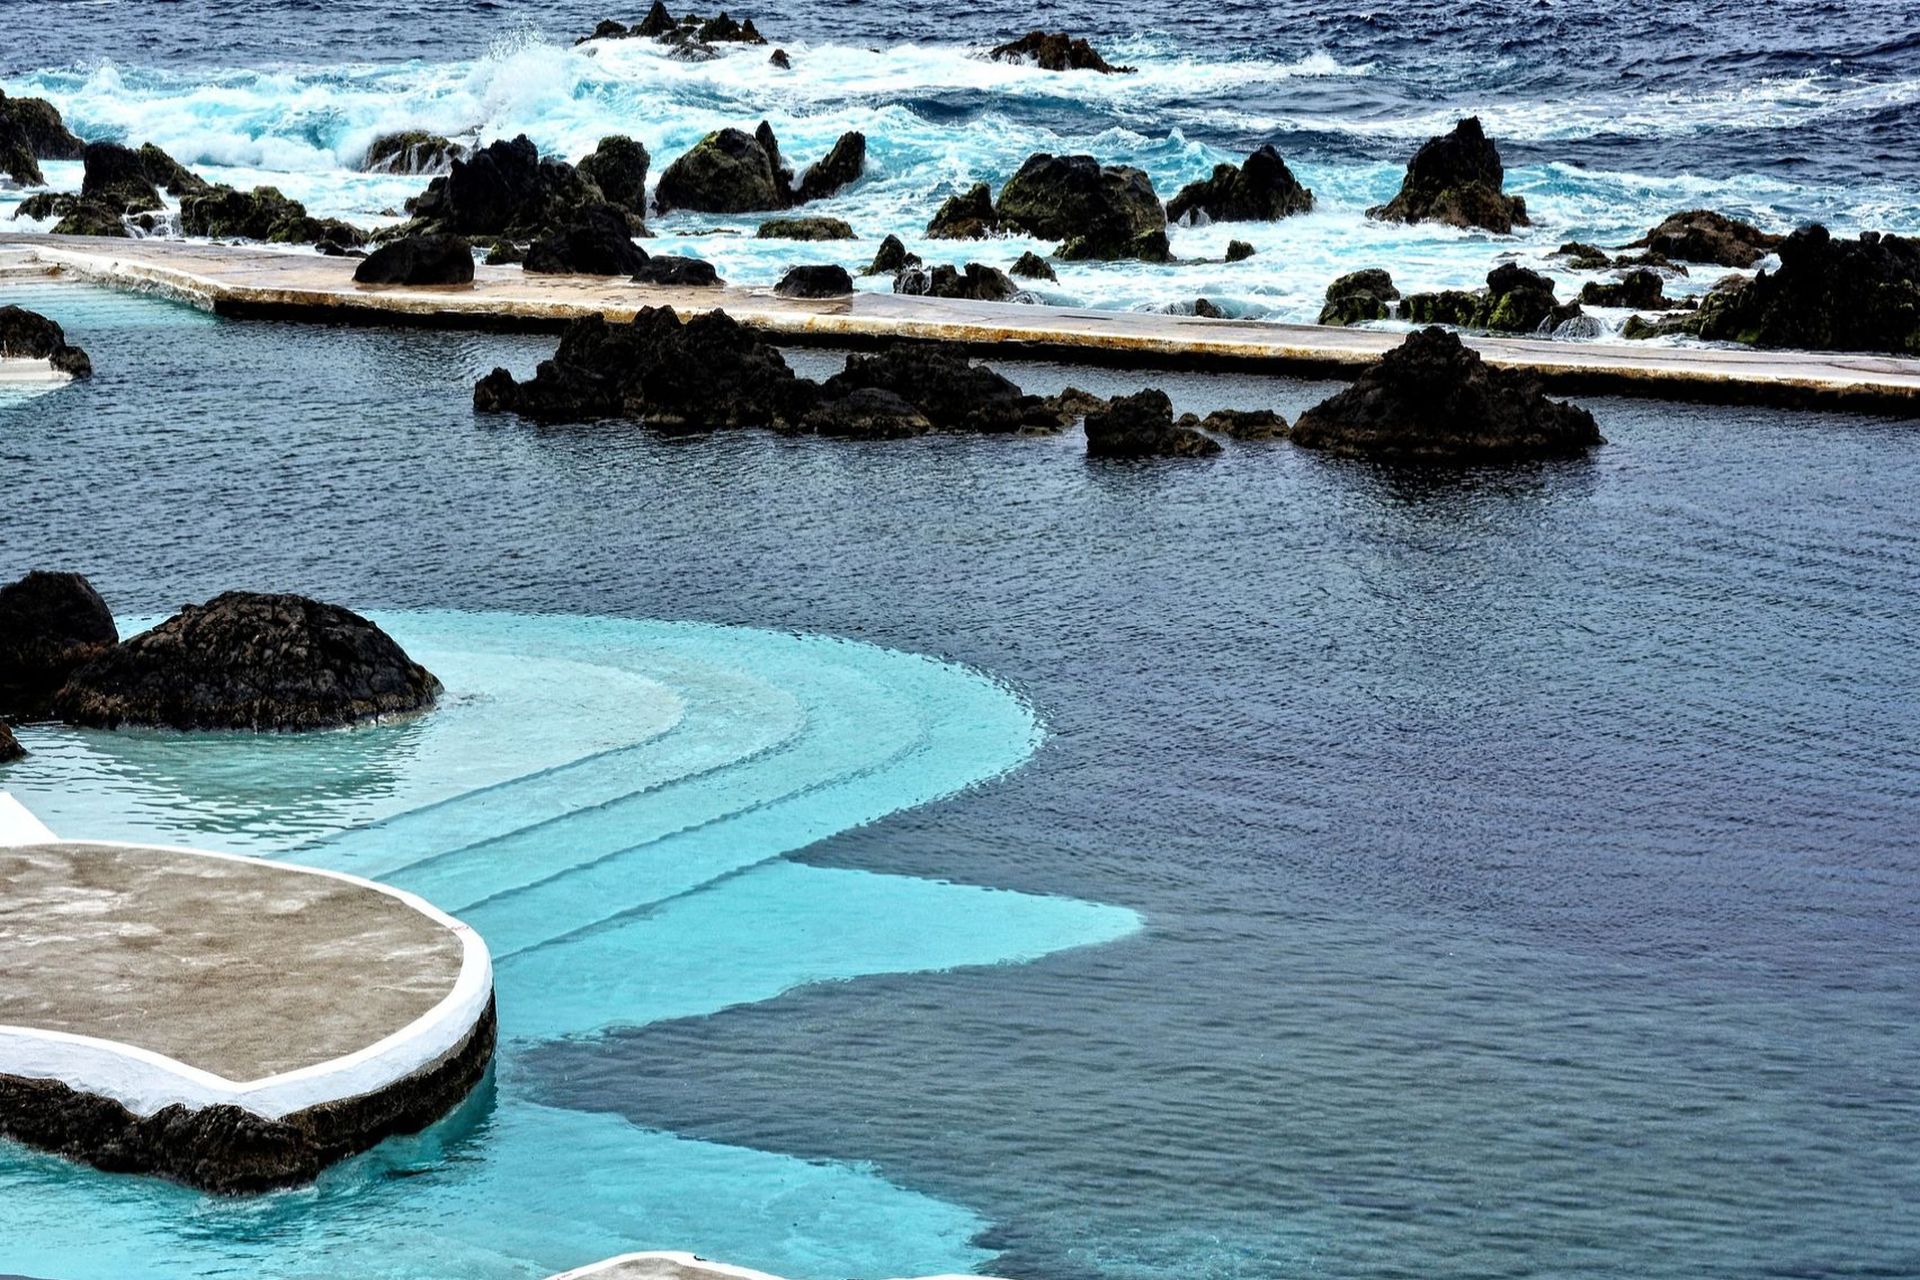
{"x":143,"y":1081}
{"x":693,"y":1262}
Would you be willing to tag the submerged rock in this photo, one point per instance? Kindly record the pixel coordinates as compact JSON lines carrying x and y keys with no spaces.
{"x":245,"y":660}
{"x":728,"y":171}
{"x":704,"y":374}
{"x":1262,"y":189}
{"x":840,"y":167}
{"x":686,"y":272}
{"x":116,"y":176}
{"x":805,"y":229}
{"x":780,"y":59}
{"x":1432,"y":399}
{"x":891,"y":258}
{"x":1456,"y":179}
{"x":978,"y":282}
{"x":954,"y":393}
{"x":1240,"y":424}
{"x":10,"y":748}
{"x":596,"y":240}
{"x":412,"y":151}
{"x":822,"y":280}
{"x":428,"y":259}
{"x":29,"y":335}
{"x":866,"y":413}
{"x":1828,"y":295}
{"x":1142,"y":426}
{"x":1701,"y":235}
{"x":1055,"y":51}
{"x":967,"y":216}
{"x":1640,"y":288}
{"x":51,"y":624}
{"x":1098,"y":212}
{"x":1034,"y":267}
{"x":1360,"y":296}
{"x":618,"y":167}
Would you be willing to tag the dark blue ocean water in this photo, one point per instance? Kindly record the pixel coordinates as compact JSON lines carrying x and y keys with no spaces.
{"x":1530,"y":858}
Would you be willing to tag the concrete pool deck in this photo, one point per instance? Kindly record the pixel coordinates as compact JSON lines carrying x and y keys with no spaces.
{"x":229,"y":1022}
{"x":250,"y":281}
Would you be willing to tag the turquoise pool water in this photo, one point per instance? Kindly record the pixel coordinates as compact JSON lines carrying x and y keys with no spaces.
{"x":609,"y":802}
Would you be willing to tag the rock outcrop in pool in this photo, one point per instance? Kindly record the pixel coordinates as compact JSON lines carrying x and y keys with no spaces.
{"x":250,"y":661}
{"x":51,"y":624}
{"x":1432,"y":399}
{"x":29,"y":335}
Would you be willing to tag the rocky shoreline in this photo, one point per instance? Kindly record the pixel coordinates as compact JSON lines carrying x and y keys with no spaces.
{"x":507,"y":202}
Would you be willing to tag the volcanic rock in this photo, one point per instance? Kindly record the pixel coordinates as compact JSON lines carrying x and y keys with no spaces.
{"x":1055,"y":51}
{"x":891,"y":258}
{"x":978,"y":282}
{"x":805,"y":229}
{"x":815,"y":281}
{"x":412,"y":151}
{"x":425,"y":259}
{"x":1432,"y":399}
{"x":840,"y":167}
{"x":39,"y":123}
{"x":866,"y":413}
{"x":1828,"y":295}
{"x":116,"y":176}
{"x":1262,"y":189}
{"x":1701,"y":235}
{"x":29,"y":335}
{"x":1456,"y":179}
{"x":596,"y":240}
{"x":618,"y":166}
{"x":728,"y":171}
{"x":1102,"y":212}
{"x":1640,"y":288}
{"x":704,"y":374}
{"x":1142,"y":426}
{"x":668,"y":270}
{"x":245,"y":660}
{"x":50,"y":625}
{"x":967,"y":216}
{"x":954,"y":393}
{"x":1360,"y":296}
{"x":1033,"y":267}
{"x":10,"y":748}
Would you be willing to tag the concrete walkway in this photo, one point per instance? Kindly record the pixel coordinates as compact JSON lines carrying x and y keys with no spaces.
{"x":250,"y":281}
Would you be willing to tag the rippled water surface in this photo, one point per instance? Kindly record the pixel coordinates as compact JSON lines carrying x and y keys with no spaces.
{"x":1528,"y":859}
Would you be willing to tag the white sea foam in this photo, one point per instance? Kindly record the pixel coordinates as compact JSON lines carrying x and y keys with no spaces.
{"x":939,"y":118}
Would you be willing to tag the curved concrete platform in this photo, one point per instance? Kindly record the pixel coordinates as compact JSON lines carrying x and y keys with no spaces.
{"x":250,"y":281}
{"x":228,"y":1022}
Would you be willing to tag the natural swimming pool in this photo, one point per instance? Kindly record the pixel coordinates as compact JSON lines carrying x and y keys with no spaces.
{"x":1526,"y":858}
